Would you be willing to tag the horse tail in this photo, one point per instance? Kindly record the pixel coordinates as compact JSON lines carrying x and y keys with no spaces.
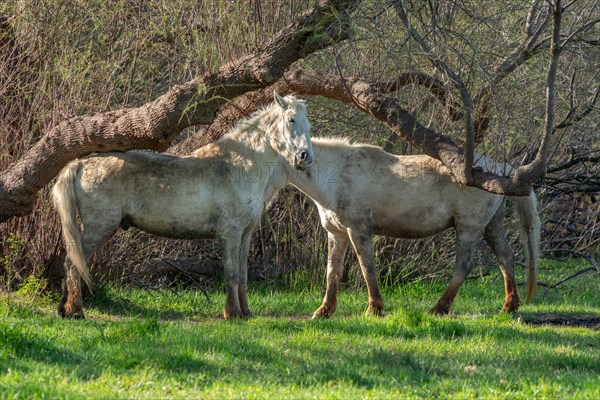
{"x":65,"y":202}
{"x":530,"y":228}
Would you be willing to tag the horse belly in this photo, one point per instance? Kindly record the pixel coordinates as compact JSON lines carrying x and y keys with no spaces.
{"x":205,"y":214}
{"x":418,"y":224}
{"x":173,"y":215}
{"x":407,"y":209}
{"x":176,"y":226}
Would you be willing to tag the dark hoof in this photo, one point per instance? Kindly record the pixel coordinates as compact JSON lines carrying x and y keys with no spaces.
{"x":378,"y":312}
{"x":439,"y":310}
{"x":64,"y":313}
{"x":323,"y":312}
{"x":317,"y":316}
{"x":75,"y":315}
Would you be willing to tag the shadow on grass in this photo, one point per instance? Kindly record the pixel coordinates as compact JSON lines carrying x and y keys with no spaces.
{"x":20,"y":344}
{"x":113,"y":304}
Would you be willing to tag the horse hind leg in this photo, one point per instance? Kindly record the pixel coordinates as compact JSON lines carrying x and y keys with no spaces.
{"x":337,"y":244}
{"x":71,"y":304}
{"x":496,"y":239}
{"x":464,"y":263}
{"x":243,"y":272}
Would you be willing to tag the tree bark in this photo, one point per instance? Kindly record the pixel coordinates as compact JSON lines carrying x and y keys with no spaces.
{"x":154,"y":125}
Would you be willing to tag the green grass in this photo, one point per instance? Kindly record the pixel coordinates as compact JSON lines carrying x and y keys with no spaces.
{"x":144,"y":344}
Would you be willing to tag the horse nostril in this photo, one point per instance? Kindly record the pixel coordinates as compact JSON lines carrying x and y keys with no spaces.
{"x":303,"y":156}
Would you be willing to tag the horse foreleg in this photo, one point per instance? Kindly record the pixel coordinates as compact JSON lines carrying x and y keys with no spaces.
{"x":243,"y":273}
{"x":363,"y":245}
{"x":337,"y":243}
{"x":497,"y":241}
{"x":462,"y":268}
{"x":231,"y":261}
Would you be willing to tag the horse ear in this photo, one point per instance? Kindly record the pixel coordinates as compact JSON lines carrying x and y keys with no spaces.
{"x":280,"y":100}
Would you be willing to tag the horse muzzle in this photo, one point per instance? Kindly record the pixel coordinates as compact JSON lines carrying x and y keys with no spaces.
{"x":302,"y":160}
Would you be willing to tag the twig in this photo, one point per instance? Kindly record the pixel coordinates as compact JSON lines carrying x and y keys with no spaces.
{"x":188,"y":274}
{"x":574,"y":161}
{"x":577,"y":254}
{"x":548,"y":286}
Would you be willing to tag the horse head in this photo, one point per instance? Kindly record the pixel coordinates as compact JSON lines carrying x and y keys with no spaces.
{"x":293,"y":141}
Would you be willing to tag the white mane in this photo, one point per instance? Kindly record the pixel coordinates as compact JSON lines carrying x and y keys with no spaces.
{"x":262,"y":120}
{"x":332,"y":141}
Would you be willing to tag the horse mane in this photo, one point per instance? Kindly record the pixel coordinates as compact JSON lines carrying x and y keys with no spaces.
{"x":265,"y":116}
{"x":341,"y":143}
{"x":332,"y":141}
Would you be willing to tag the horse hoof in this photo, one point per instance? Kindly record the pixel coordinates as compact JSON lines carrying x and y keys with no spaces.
{"x":324,"y":311}
{"x":65,"y":312}
{"x":509,"y":309}
{"x":375,"y":311}
{"x":438,"y":310}
{"x":232,"y":314}
{"x":75,"y":315}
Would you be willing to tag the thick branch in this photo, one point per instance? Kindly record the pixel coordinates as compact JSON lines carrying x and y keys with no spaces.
{"x":155,"y":124}
{"x":234,"y":110}
{"x":540,"y":164}
{"x":389,"y":111}
{"x":368,"y":98}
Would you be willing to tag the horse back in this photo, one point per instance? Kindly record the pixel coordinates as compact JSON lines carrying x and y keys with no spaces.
{"x":407,"y":196}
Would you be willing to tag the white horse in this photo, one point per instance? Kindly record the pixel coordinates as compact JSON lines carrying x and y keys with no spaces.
{"x":217,"y":192}
{"x":360,"y":190}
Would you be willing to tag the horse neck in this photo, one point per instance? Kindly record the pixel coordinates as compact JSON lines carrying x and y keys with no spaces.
{"x":250,"y":139}
{"x":320,"y":183}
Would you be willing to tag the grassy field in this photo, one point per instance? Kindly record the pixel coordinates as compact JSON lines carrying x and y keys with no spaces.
{"x":147,"y":344}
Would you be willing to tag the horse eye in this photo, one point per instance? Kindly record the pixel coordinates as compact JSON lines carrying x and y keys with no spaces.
{"x":292,"y":120}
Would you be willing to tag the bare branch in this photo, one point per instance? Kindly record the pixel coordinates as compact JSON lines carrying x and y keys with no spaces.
{"x":555,"y":49}
{"x":571,"y":119}
{"x":435,"y":86}
{"x":574,"y":161}
{"x":469,"y":142}
{"x":536,"y":21}
{"x":581,"y":29}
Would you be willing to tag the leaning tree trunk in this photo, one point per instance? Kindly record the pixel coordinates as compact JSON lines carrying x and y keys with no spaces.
{"x":154,"y":125}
